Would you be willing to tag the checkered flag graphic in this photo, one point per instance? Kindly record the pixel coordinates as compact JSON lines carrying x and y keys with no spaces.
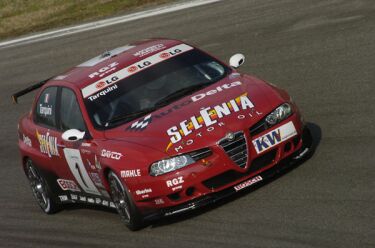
{"x":140,"y":124}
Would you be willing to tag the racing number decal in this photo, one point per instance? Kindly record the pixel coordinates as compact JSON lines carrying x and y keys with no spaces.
{"x":74,"y":159}
{"x":80,"y":175}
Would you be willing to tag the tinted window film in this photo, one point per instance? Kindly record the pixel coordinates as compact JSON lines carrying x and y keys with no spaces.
{"x":46,"y":107}
{"x":70,"y":113}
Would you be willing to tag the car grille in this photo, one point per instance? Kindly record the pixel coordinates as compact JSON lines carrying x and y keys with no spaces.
{"x":200,"y":154}
{"x":232,"y":175}
{"x":236,"y":148}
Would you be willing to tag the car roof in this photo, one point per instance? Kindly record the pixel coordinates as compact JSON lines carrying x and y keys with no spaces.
{"x":109,"y":62}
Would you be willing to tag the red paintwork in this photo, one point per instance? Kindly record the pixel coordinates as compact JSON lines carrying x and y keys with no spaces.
{"x":141,"y":149}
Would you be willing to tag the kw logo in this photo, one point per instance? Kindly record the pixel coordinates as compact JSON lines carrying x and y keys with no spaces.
{"x":268,"y":140}
{"x":274,"y":137}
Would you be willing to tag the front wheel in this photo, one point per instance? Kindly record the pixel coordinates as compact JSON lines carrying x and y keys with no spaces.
{"x":124,"y":204}
{"x":40,"y":189}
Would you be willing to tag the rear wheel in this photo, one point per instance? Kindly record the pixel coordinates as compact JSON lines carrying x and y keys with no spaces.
{"x":40,"y":189}
{"x":124,"y":204}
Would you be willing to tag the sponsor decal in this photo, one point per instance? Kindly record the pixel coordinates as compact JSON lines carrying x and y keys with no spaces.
{"x":96,"y":179}
{"x":48,"y":144}
{"x":104,"y":70}
{"x":142,"y":124}
{"x":216,"y":90}
{"x":45,"y":110}
{"x":92,"y":167}
{"x":135,"y":68}
{"x":207,"y":117}
{"x":112,"y":205}
{"x":132,"y":69}
{"x":97,"y":164}
{"x":105,"y":203}
{"x":85,"y":151}
{"x":274,"y":137}
{"x":111,"y":154}
{"x":100,"y":85}
{"x":104,"y":92}
{"x":143,"y":191}
{"x":248,"y":183}
{"x":27,"y":140}
{"x":46,"y":98}
{"x":164,"y":55}
{"x":83,"y":198}
{"x":130,"y":173}
{"x":149,"y":50}
{"x":68,"y":185}
{"x":175,"y":183}
{"x":198,"y":135}
{"x":159,"y":201}
{"x":63,"y":198}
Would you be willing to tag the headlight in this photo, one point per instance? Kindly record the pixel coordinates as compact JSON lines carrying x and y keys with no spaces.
{"x":171,"y":164}
{"x":280,"y":113}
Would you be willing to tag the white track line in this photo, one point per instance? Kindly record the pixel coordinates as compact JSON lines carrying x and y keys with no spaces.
{"x":105,"y":23}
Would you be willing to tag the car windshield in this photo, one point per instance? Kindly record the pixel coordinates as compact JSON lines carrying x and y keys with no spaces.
{"x":153,"y":88}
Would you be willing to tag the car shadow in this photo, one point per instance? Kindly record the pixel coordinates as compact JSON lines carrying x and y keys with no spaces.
{"x":281,"y":170}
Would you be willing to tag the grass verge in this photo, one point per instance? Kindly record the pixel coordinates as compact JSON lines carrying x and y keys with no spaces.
{"x":18,"y":17}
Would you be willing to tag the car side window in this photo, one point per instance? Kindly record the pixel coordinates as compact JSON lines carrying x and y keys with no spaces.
{"x":70,"y":113}
{"x":45,"y":113}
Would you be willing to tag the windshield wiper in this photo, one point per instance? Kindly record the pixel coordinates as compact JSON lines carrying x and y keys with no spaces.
{"x":131,"y":116}
{"x":180,"y":93}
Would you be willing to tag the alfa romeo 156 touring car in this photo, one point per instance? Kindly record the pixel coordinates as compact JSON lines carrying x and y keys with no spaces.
{"x":154,"y":128}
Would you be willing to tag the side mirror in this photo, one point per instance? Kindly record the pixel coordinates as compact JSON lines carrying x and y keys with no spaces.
{"x":72,"y":135}
{"x":237,"y":60}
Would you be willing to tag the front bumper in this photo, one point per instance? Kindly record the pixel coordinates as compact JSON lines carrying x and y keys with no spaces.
{"x":206,"y":184}
{"x":298,"y":156}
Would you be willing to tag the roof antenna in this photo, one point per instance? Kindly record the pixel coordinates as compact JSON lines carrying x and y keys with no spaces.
{"x":105,"y":54}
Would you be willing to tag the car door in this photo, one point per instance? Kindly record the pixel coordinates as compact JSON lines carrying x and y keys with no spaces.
{"x":80,"y":163}
{"x":45,"y":133}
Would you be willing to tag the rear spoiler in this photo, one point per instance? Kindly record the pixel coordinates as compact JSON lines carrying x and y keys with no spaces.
{"x":28,"y":90}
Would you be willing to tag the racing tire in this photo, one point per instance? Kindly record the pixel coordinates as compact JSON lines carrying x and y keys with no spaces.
{"x":47,"y":201}
{"x":125,"y":206}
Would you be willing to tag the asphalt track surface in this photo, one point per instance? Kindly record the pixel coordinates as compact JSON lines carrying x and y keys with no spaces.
{"x":322,"y":52}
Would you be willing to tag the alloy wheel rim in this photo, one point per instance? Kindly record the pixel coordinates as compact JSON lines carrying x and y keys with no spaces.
{"x":37,"y":186}
{"x":120,"y":198}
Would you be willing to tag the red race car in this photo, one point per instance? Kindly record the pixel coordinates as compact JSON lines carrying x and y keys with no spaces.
{"x":153,"y":129}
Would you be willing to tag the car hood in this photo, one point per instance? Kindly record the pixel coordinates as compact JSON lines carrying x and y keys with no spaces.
{"x":202,"y":118}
